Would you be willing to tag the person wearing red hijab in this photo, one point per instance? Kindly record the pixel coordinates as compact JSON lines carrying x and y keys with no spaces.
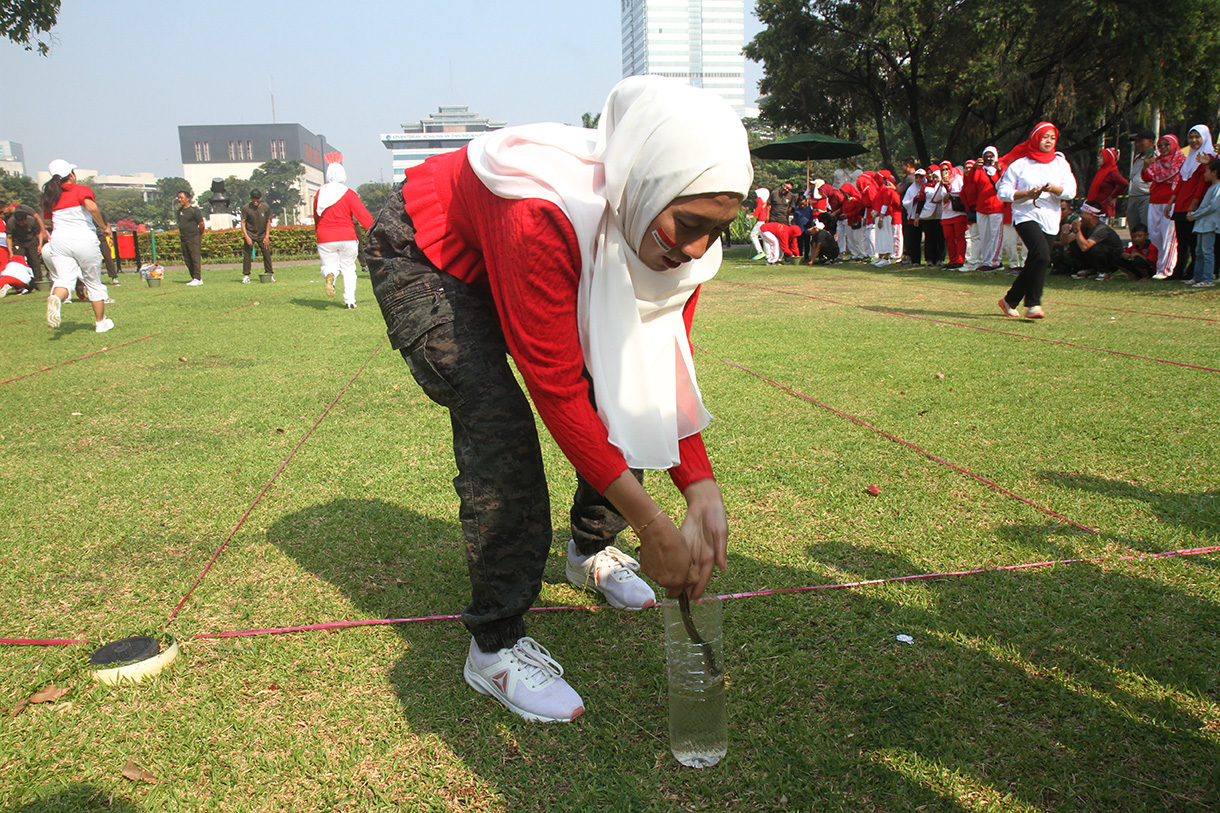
{"x":1035,"y":179}
{"x":1108,"y":183}
{"x":952,"y":214}
{"x":1163,"y":176}
{"x":853,"y":215}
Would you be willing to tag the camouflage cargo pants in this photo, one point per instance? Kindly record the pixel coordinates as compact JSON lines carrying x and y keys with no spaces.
{"x":449,"y":333}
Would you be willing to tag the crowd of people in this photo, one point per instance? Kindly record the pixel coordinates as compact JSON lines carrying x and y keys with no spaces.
{"x":72,"y":239}
{"x":1008,"y":212}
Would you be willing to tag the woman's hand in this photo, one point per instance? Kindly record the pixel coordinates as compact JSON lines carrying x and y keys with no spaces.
{"x":706,"y":531}
{"x":665,"y":555}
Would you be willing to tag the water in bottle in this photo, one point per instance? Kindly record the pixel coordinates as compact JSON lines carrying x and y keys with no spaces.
{"x":698,"y":720}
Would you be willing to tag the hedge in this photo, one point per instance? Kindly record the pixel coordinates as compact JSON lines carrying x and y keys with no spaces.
{"x":287,"y":243}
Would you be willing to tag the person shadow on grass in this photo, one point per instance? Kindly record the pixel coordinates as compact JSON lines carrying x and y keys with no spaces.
{"x":1079,"y":687}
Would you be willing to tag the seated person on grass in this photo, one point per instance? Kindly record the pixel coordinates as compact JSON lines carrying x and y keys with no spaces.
{"x":1069,"y":222}
{"x":1097,"y":247}
{"x":1139,"y":259}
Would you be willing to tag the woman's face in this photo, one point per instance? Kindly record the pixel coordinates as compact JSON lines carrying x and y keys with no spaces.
{"x":686,"y":229}
{"x":1047,"y":142}
{"x":1164,"y":146}
{"x":1194,"y":140}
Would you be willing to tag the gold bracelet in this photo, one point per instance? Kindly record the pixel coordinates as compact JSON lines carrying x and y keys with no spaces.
{"x":640,"y":530}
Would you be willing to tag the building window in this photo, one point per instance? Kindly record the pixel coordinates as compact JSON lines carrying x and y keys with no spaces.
{"x":277,"y":150}
{"x":233,"y":148}
{"x":202,"y":151}
{"x":249,"y":150}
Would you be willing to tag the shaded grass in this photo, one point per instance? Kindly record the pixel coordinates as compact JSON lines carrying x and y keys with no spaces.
{"x":1073,"y":687}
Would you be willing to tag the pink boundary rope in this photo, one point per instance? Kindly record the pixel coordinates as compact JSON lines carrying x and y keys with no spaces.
{"x":331,"y":625}
{"x":267,"y":487}
{"x":872,"y":309}
{"x":906,"y":443}
{"x":142,"y":338}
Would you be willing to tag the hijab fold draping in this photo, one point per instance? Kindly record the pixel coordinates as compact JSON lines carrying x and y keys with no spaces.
{"x":657,"y":140}
{"x":1032,"y":147}
{"x":1191,"y":164}
{"x":1165,"y":167}
{"x":1109,"y":162}
{"x":334,"y":188}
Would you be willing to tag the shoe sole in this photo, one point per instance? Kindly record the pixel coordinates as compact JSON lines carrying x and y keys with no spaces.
{"x":580,"y":579}
{"x":480,"y":684}
{"x":54,"y":317}
{"x":1035,"y":315}
{"x":1004,"y":309}
{"x":330,"y":285}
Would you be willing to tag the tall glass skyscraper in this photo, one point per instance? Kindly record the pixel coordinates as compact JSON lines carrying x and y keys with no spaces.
{"x":697,"y":41}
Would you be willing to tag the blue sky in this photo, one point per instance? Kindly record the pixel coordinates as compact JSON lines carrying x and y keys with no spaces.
{"x":123,"y":75}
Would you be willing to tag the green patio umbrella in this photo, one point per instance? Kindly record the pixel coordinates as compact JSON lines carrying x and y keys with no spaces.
{"x":809,"y":147}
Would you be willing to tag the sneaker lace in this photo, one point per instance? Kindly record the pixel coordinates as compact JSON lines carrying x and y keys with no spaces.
{"x":537,"y":666}
{"x":611,"y":561}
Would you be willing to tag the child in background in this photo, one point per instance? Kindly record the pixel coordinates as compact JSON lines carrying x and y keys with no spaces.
{"x":1207,"y":222}
{"x":1139,"y":258}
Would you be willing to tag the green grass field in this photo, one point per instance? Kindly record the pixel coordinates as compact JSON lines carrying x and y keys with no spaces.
{"x":1089,"y":686}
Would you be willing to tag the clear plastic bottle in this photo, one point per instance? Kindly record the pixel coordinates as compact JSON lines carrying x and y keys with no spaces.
{"x":698,"y":719}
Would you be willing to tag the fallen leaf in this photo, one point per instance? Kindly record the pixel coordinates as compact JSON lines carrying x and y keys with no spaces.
{"x":279,"y":431}
{"x":137,"y":774}
{"x":48,"y":695}
{"x":181,"y":358}
{"x":940,"y":375}
{"x":874,"y":489}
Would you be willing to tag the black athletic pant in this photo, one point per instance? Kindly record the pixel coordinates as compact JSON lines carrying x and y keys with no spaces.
{"x":1028,"y":284}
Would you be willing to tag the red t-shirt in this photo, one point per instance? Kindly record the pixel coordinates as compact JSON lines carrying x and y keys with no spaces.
{"x":335,"y":224}
{"x":526,"y":252}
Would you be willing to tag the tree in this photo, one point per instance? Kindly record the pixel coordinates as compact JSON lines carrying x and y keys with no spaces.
{"x":373,"y":195}
{"x":19,"y":188}
{"x":589,"y":121}
{"x":21,"y":20}
{"x":279,"y":183}
{"x":944,"y":79}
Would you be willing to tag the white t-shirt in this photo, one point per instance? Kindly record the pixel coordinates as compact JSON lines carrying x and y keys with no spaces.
{"x":1026,"y":173}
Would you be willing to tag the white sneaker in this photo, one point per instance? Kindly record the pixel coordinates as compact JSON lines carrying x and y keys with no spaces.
{"x":103,"y":326}
{"x":194,"y":282}
{"x":330,"y":285}
{"x":611,"y":573}
{"x":526,"y":679}
{"x":4,"y":289}
{"x":245,"y":280}
{"x":1160,"y":276}
{"x":54,"y":305}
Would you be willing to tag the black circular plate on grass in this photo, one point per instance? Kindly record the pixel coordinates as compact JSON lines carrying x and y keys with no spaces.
{"x":126,"y":650}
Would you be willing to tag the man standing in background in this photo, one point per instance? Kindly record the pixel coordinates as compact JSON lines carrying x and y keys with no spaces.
{"x":190,"y":234}
{"x":782,"y":202}
{"x":1137,"y":204}
{"x":256,"y":228}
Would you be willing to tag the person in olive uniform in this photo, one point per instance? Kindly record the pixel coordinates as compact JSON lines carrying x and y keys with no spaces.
{"x":256,"y":228}
{"x":26,"y":235}
{"x":190,"y":233}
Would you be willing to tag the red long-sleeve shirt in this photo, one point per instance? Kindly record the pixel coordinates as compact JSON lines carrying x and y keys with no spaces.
{"x":526,"y":252}
{"x":979,"y":192}
{"x":335,"y":224}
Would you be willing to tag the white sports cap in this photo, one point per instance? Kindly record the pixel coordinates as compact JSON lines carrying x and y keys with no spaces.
{"x":61,"y":168}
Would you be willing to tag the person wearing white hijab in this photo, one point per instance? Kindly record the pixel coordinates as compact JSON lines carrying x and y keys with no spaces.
{"x":333,"y":209}
{"x":580,"y":254}
{"x":1191,"y":188}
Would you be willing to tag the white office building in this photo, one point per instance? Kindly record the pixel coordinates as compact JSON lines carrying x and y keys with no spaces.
{"x":697,"y":41}
{"x":452,"y":127}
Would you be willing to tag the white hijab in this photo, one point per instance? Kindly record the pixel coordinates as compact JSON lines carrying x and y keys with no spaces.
{"x":1191,"y":163}
{"x":334,"y":188}
{"x":657,"y":140}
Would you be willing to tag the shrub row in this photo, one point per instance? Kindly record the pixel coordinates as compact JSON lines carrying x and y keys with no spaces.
{"x":287,"y":243}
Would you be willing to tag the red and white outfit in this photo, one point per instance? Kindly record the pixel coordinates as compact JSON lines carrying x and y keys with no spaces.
{"x":74,"y":248}
{"x":952,"y":222}
{"x":889,"y":222}
{"x":978,"y":191}
{"x":760,"y":217}
{"x":333,"y":209}
{"x":779,"y":239}
{"x":1163,"y":176}
{"x":15,"y":273}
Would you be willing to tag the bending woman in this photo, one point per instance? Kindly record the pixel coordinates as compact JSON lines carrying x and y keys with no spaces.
{"x":579,"y":254}
{"x":1035,"y":179}
{"x":74,"y":248}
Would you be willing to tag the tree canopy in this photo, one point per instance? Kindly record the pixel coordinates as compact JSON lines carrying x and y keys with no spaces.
{"x":23,"y":20}
{"x":373,"y":195}
{"x":19,"y":189}
{"x":946,"y":78}
{"x":278,"y":181}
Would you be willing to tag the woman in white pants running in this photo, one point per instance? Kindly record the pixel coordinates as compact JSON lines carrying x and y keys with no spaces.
{"x":333,"y":210}
{"x":75,"y":251}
